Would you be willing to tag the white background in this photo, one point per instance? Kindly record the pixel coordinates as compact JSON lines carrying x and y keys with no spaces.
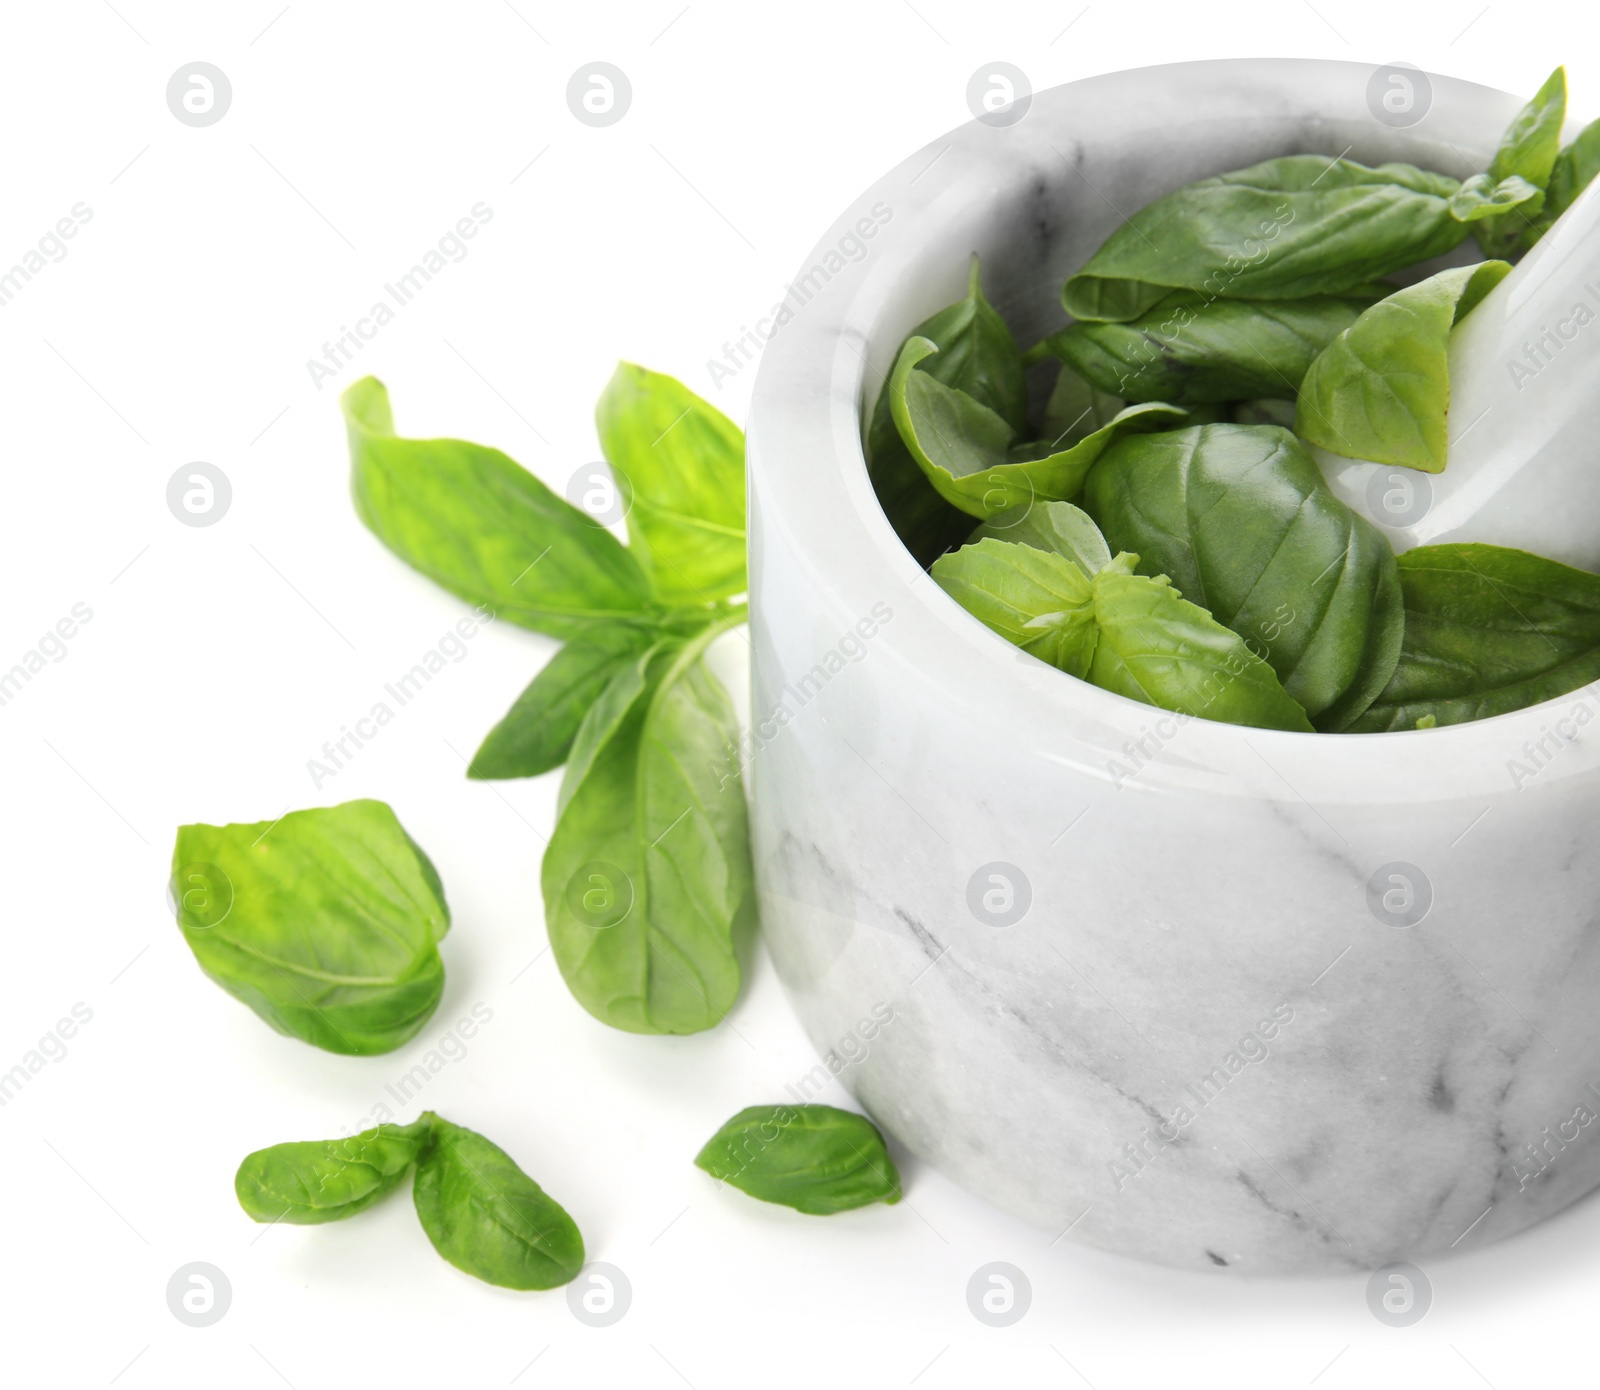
{"x":219,"y":660}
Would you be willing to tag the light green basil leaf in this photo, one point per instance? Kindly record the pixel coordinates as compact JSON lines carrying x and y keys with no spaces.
{"x":1283,"y":229}
{"x":1528,"y":149}
{"x":487,"y":1217}
{"x":1488,"y":630}
{"x":306,"y":1184}
{"x":326,"y":922}
{"x":1058,"y":527}
{"x":683,"y":465}
{"x":1190,"y":350}
{"x":965,"y":449}
{"x":1075,"y":410}
{"x":1034,"y":598}
{"x":1480,"y":197}
{"x":1380,"y":391}
{"x":647,"y":876}
{"x":814,"y":1158}
{"x":486,"y":529}
{"x":1241,"y":520}
{"x":1574,"y":170}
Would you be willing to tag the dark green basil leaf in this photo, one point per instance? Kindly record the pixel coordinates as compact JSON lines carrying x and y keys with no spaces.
{"x":1075,"y":410}
{"x":813,"y":1158}
{"x":1488,"y":630}
{"x":1241,"y":520}
{"x":683,"y":462}
{"x":308,"y":1183}
{"x":1282,"y":229}
{"x":1574,"y":170}
{"x":965,"y":449}
{"x":1058,"y":527}
{"x":487,"y":1217}
{"x":1528,"y":149}
{"x":1481,"y":197}
{"x":1268,"y":411}
{"x":1190,"y":349}
{"x":486,"y":529}
{"x":1381,"y":390}
{"x":647,"y":875}
{"x":326,"y":922}
{"x":537,"y":731}
{"x":1035,"y":598}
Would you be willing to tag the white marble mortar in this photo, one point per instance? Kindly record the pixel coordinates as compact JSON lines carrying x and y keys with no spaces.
{"x":1184,"y":880}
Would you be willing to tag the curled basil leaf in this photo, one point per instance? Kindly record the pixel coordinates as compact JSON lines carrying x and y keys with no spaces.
{"x":814,"y":1158}
{"x":1035,"y":598}
{"x":1528,"y":150}
{"x":1058,"y":527}
{"x":326,"y":922}
{"x":1241,"y":520}
{"x":1283,"y":229}
{"x":306,"y":1184}
{"x":1380,"y":391}
{"x":1481,"y":197}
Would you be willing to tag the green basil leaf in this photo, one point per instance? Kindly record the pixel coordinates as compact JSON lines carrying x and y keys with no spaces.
{"x":1075,"y":410}
{"x":1268,"y":411}
{"x":1381,"y":390}
{"x":1529,"y":149}
{"x":1033,"y":597}
{"x":683,"y":462}
{"x":647,"y":876}
{"x":1574,"y":170}
{"x":965,"y":449}
{"x":487,"y":1217}
{"x":1241,"y":520}
{"x":1488,"y":630}
{"x":326,"y":922}
{"x":1058,"y":527}
{"x":1480,"y":197}
{"x":1190,"y":350}
{"x":537,"y":731}
{"x":814,"y":1158}
{"x":486,"y":529}
{"x":1283,"y":229}
{"x":1156,"y":647}
{"x":306,"y":1184}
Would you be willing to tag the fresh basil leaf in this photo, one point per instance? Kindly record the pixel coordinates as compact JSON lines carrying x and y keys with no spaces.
{"x":1528,"y":149}
{"x":1075,"y":410}
{"x":486,"y":529}
{"x":647,"y":876}
{"x":1035,"y":598}
{"x":306,"y":1184}
{"x":683,"y":462}
{"x":1488,"y":630}
{"x":814,"y":1158}
{"x":537,"y":731}
{"x":1380,"y":391}
{"x":1190,"y":349}
{"x":977,"y":356}
{"x":487,"y":1217}
{"x":1283,"y":229}
{"x":965,"y":449}
{"x":1574,"y":170}
{"x":1241,"y":520}
{"x":1156,"y":647}
{"x":1058,"y":527}
{"x":1269,"y":411}
{"x":326,"y":922}
{"x":1480,"y":197}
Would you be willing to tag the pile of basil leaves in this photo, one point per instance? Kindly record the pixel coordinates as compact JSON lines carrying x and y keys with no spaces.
{"x":1164,"y":531}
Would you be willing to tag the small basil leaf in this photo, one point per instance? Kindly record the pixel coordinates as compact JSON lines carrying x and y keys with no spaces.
{"x":483,"y":527}
{"x":683,"y":461}
{"x":1156,"y":647}
{"x":1241,"y":520}
{"x":1480,"y":197}
{"x":814,"y":1158}
{"x":1574,"y":170}
{"x":537,"y":731}
{"x":326,"y":922}
{"x":965,"y":449}
{"x":1190,"y":349}
{"x":1306,"y":225}
{"x":1488,"y":630}
{"x":1035,"y":598}
{"x":1380,"y":391}
{"x":306,"y":1184}
{"x":1529,"y":149}
{"x":647,"y":876}
{"x":1075,"y":410}
{"x":487,"y":1217}
{"x":1058,"y":527}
